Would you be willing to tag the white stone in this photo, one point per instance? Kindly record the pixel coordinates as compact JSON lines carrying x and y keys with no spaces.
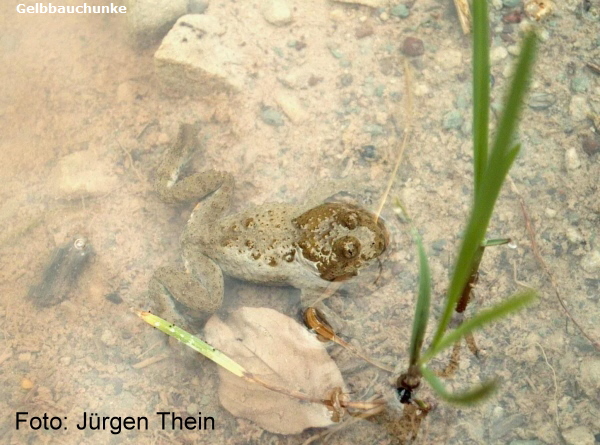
{"x":580,"y":435}
{"x":291,"y":106}
{"x":579,"y":108}
{"x":82,"y":174}
{"x":449,"y":58}
{"x":498,"y":53}
{"x":572,"y":159}
{"x":589,"y":377}
{"x":194,"y":58}
{"x":277,"y":12}
{"x":591,"y":262}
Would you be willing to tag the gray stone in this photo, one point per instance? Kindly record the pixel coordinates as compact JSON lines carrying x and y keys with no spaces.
{"x":149,"y":20}
{"x":197,"y":6}
{"x":580,"y":84}
{"x":511,"y":3}
{"x":194,"y":58}
{"x":400,"y":11}
{"x":452,"y":120}
{"x":271,"y":116}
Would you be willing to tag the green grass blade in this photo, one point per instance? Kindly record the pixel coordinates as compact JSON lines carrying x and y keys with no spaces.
{"x":513,"y":304}
{"x":495,"y":242}
{"x":474,"y":235}
{"x":481,"y":91}
{"x":514,"y":100}
{"x":193,"y":342}
{"x":465,"y":398}
{"x":499,"y":163}
{"x":423,"y":303}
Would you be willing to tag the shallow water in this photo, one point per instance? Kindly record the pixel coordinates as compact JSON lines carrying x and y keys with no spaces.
{"x":84,"y":121}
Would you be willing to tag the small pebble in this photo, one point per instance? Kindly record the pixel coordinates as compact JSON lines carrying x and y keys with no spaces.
{"x":114,"y":298}
{"x":541,"y":101}
{"x":514,"y":50}
{"x":363,"y":31}
{"x":591,"y":144}
{"x":579,"y":108}
{"x":271,"y":116}
{"x":591,"y":262}
{"x":580,"y":435}
{"x":498,"y":53}
{"x":452,"y":120}
{"x":572,"y":159}
{"x":346,"y":80}
{"x":291,"y":106}
{"x":192,"y":409}
{"x":580,"y":84}
{"x":413,"y":47}
{"x":400,"y":11}
{"x":277,"y":12}
{"x":337,"y":15}
{"x":108,"y":338}
{"x":368,"y":152}
{"x":512,"y":17}
{"x":26,"y":383}
{"x":511,"y":3}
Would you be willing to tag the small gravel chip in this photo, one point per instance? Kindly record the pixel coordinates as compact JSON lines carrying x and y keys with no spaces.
{"x":346,"y":80}
{"x":271,"y":116}
{"x":541,"y":101}
{"x":591,"y":144}
{"x":413,"y":47}
{"x":400,"y":11}
{"x":365,"y":30}
{"x":580,"y":84}
{"x":368,"y":152}
{"x":452,"y":120}
{"x":511,"y":3}
{"x":114,"y":298}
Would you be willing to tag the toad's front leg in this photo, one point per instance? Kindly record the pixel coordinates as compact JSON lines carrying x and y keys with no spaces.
{"x":194,"y":290}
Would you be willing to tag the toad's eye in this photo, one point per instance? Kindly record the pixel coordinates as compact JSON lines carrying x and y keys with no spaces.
{"x":348,"y":247}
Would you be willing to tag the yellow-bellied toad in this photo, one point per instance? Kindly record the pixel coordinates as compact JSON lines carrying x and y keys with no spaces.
{"x":276,"y":244}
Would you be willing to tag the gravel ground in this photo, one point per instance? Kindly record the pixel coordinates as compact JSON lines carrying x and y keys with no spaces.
{"x":78,"y":100}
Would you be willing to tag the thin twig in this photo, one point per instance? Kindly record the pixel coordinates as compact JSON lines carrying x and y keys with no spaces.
{"x":408,"y":108}
{"x":555,"y":384}
{"x":464,"y":15}
{"x":540,"y":260}
{"x":131,"y":164}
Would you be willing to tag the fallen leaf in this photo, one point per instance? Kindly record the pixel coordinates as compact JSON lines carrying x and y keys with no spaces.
{"x":280,"y":351}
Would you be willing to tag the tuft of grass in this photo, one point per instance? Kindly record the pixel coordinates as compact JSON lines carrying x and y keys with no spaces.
{"x":489,"y":173}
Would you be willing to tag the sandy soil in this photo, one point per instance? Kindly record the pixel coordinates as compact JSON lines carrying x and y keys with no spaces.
{"x":73,"y":83}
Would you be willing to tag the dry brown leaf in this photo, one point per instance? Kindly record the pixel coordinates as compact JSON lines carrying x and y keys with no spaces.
{"x":279,"y":350}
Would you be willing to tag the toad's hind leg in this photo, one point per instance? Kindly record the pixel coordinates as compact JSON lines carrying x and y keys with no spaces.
{"x":194,"y":187}
{"x":197,"y":287}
